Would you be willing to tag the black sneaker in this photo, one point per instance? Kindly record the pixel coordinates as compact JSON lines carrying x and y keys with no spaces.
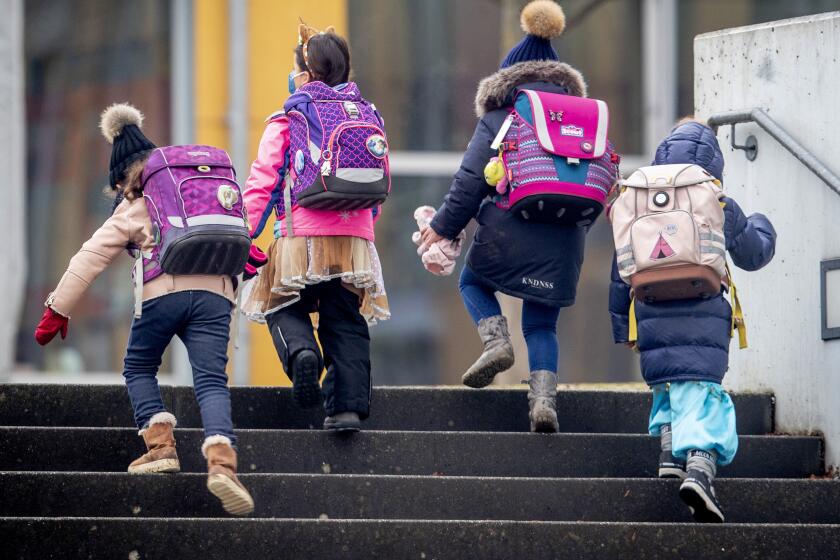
{"x":699,"y":494}
{"x":306,"y":370}
{"x":670,"y":466}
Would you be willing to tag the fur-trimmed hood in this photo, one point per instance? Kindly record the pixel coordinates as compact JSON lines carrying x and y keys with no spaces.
{"x":494,"y":90}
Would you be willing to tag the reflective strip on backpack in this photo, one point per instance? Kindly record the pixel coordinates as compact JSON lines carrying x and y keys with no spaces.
{"x":361,"y":174}
{"x":216,"y":219}
{"x":207,"y":220}
{"x":623,"y":250}
{"x":627,"y":263}
{"x":540,"y":126}
{"x":601,"y":134}
{"x":497,"y":141}
{"x":712,"y":250}
{"x":712,"y":237}
{"x":138,"y":287}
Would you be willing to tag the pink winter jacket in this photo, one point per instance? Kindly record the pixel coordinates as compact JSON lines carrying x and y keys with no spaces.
{"x":265,"y":185}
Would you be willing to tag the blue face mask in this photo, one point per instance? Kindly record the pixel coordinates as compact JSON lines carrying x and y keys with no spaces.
{"x":292,"y":76}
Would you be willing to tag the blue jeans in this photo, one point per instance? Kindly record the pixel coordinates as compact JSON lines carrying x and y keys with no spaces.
{"x":202,"y":321}
{"x":539,"y":321}
{"x":701,"y":414}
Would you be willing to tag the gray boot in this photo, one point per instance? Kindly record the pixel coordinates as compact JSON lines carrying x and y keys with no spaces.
{"x":497,"y":355}
{"x":542,"y":401}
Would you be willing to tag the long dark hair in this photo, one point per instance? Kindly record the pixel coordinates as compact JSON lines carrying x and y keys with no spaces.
{"x":327,"y":58}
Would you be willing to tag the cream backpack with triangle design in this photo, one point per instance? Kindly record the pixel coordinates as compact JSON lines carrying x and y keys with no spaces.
{"x":668,"y":230}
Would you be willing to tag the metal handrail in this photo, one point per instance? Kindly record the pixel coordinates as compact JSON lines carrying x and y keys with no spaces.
{"x":762,"y":119}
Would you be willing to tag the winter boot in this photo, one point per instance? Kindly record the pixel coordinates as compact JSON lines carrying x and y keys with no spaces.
{"x":542,"y":402}
{"x":497,"y":355}
{"x":221,"y":476}
{"x":343,"y":422}
{"x":669,"y":465}
{"x":306,"y":369}
{"x":161,"y":456}
{"x":697,"y":490}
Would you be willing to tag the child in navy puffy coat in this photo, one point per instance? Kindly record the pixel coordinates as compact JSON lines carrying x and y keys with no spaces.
{"x":684,"y":344}
{"x":538,"y":263}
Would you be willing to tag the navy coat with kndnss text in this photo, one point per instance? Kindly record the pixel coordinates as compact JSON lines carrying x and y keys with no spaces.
{"x":532,"y":261}
{"x":688,"y":340}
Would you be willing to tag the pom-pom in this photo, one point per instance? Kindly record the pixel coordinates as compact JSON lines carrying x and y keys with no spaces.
{"x":116,"y":117}
{"x":543,"y":18}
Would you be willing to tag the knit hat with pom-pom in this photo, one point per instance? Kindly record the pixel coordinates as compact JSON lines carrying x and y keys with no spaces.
{"x":120,"y":125}
{"x":542,"y":20}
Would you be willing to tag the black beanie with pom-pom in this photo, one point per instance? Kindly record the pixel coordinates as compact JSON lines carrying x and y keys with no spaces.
{"x":120,"y":125}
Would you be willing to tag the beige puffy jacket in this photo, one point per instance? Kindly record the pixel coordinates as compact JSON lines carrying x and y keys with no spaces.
{"x":129,"y":224}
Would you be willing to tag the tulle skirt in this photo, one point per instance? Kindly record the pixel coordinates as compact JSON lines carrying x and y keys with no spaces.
{"x":297,"y":262}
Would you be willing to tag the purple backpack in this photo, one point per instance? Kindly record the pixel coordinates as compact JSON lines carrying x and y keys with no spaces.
{"x":338,"y":149}
{"x":197,"y":214}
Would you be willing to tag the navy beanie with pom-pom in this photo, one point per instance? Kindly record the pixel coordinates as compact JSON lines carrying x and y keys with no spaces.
{"x":542,"y":20}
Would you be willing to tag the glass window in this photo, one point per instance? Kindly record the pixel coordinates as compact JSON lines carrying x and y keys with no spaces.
{"x":421,"y":62}
{"x":80,"y":56}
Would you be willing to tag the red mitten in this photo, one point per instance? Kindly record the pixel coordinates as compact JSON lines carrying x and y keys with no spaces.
{"x":51,"y":324}
{"x":256,"y":259}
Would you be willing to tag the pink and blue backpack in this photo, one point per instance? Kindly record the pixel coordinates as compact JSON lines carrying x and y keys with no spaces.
{"x":338,"y":150}
{"x":198,"y":218}
{"x":558,"y":162}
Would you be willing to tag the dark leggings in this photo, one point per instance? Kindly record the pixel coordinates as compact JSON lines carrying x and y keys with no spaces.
{"x":344,"y":337}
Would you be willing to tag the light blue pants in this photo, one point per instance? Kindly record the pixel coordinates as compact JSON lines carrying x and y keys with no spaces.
{"x":701,"y":414}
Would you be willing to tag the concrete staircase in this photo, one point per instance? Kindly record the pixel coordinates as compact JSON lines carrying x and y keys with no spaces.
{"x":438,"y":473}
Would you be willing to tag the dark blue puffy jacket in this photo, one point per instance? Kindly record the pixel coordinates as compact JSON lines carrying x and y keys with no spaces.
{"x":688,"y":340}
{"x":531,"y":261}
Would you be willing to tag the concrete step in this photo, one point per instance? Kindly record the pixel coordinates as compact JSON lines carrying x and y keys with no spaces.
{"x":47,"y":494}
{"x":420,"y":453}
{"x":394,"y":408}
{"x":211,"y":539}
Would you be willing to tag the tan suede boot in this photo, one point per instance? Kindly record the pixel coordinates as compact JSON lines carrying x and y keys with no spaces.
{"x":221,"y":476}
{"x":497,"y":356}
{"x":160,"y":443}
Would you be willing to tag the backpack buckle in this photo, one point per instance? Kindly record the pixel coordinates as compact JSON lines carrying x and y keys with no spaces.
{"x":352,"y":110}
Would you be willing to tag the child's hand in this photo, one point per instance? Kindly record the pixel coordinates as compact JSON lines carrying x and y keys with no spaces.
{"x":632,"y":346}
{"x":51,"y":324}
{"x":256,"y":259}
{"x":429,"y":236}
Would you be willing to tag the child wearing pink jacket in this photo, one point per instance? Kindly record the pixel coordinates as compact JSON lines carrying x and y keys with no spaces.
{"x":320,"y":261}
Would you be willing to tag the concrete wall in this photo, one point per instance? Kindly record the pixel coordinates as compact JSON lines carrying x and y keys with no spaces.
{"x":12,"y":193}
{"x":790,"y":68}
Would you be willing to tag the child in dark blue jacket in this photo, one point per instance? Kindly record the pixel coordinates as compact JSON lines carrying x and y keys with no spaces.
{"x":684,"y":344}
{"x":538,"y":263}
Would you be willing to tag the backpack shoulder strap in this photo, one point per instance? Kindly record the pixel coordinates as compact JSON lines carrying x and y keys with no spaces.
{"x":497,"y":141}
{"x":287,"y":203}
{"x":276,"y":115}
